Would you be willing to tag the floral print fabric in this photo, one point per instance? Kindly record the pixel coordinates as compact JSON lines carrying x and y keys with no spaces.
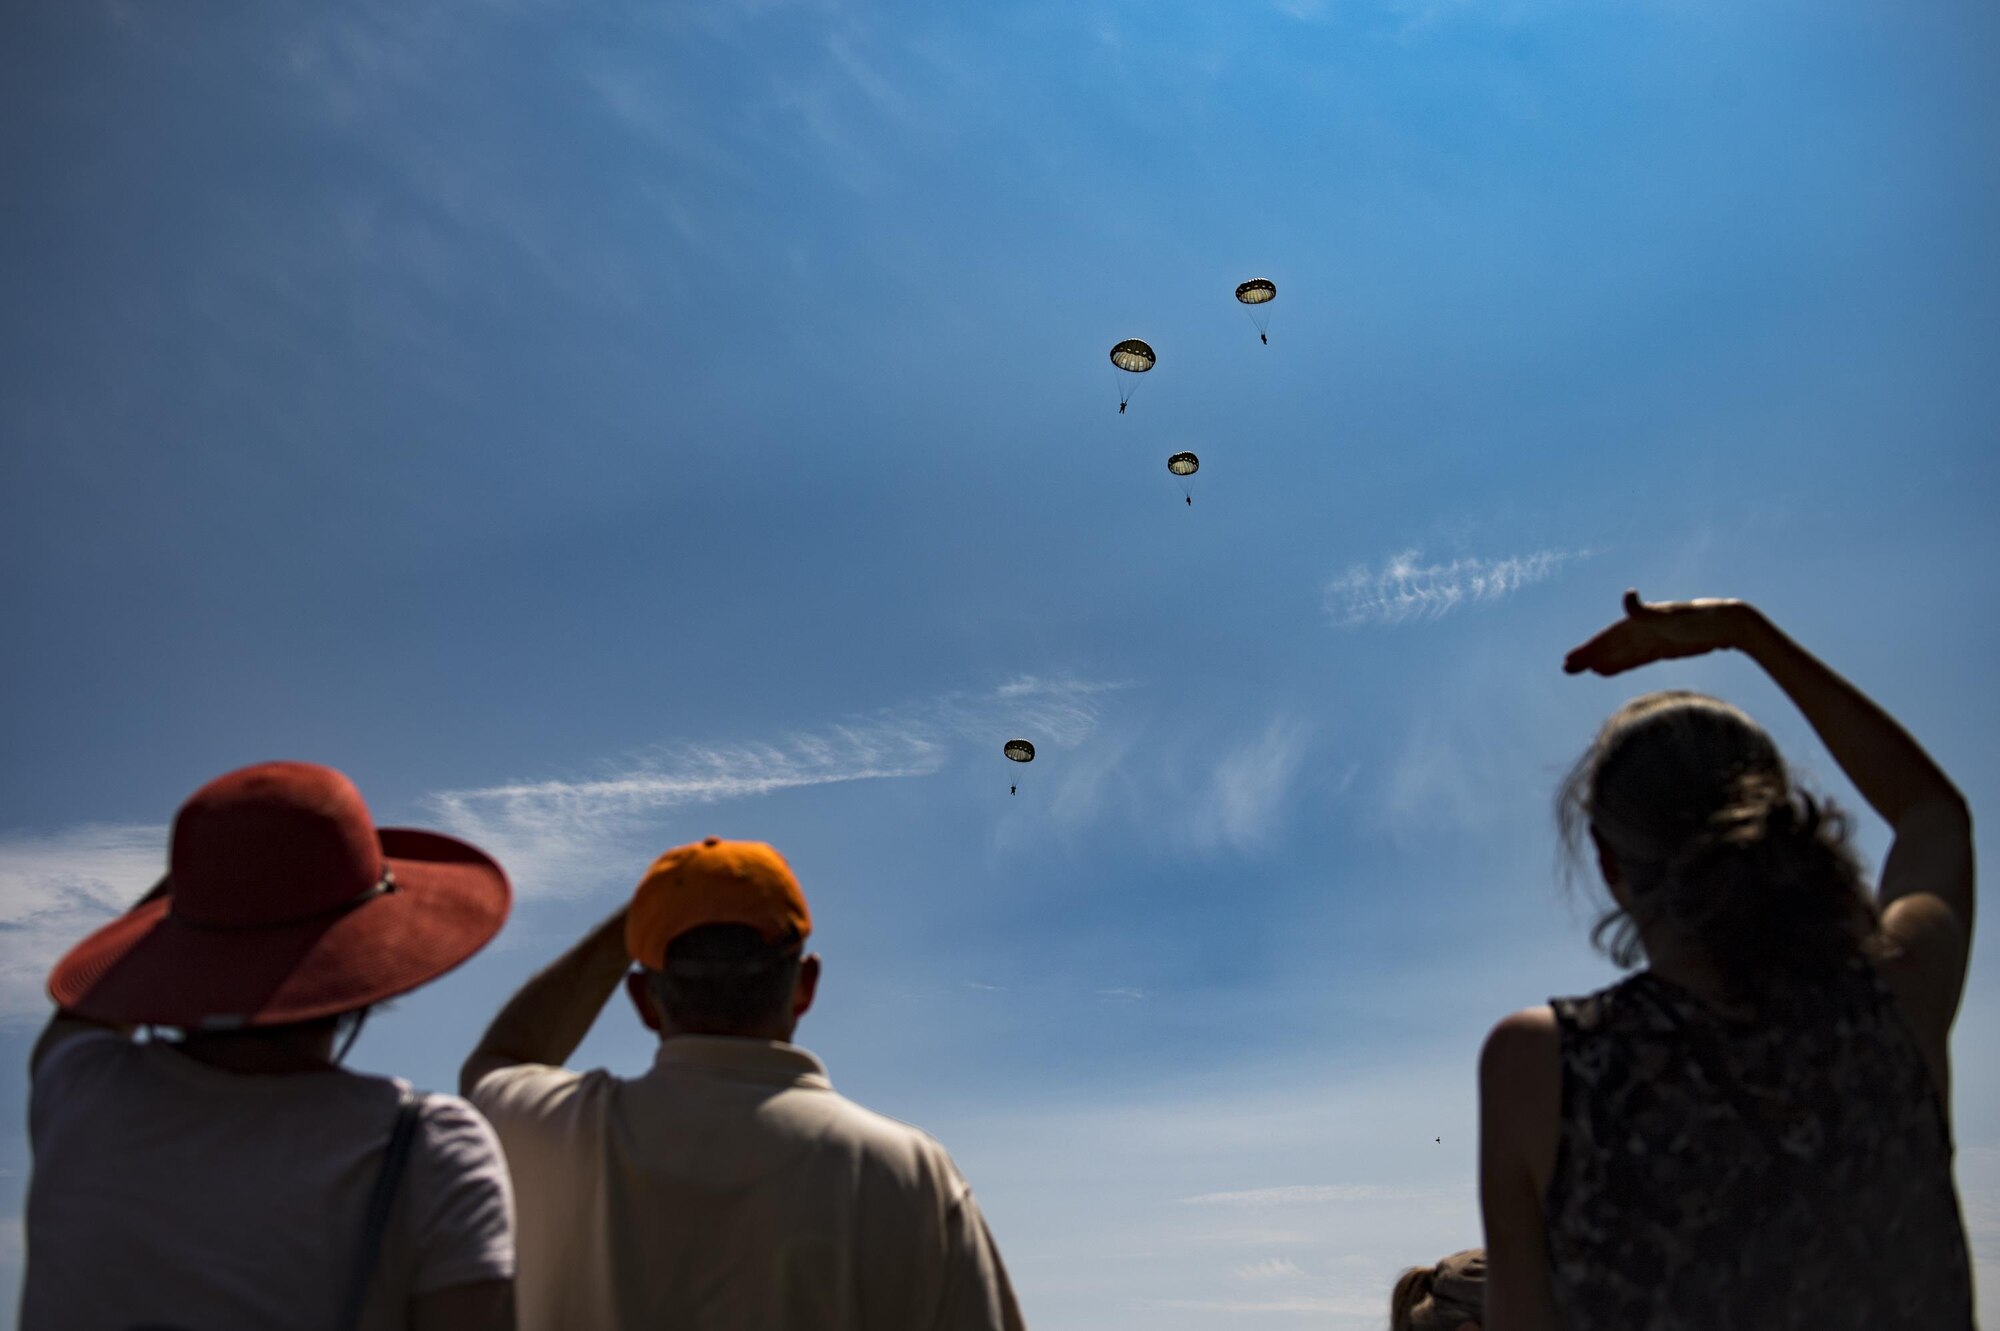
{"x":1667,"y":1209}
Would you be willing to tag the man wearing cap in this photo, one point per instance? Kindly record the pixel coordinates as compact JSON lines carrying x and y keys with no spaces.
{"x":730,"y":1185}
{"x":236,"y":1175}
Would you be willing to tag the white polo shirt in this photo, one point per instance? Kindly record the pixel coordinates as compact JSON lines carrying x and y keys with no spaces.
{"x":732,"y":1187}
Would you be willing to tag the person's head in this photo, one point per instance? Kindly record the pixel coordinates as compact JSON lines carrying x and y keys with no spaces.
{"x":1702,"y":837}
{"x":718,"y":929}
{"x":285,"y":915}
{"x":1450,"y":1296}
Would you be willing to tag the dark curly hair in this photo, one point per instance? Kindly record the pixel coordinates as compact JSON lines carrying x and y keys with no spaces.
{"x":1711,"y":837}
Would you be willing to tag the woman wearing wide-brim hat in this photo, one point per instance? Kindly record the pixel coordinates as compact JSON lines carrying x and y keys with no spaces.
{"x":236,"y":1174}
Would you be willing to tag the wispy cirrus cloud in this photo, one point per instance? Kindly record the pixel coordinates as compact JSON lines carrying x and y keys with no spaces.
{"x":1199,"y":793}
{"x":1271,"y":1268}
{"x":1406,"y":588}
{"x":54,"y":889}
{"x":1245,"y":795}
{"x":553,"y":834}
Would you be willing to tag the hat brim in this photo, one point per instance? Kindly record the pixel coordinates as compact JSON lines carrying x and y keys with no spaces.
{"x":146,"y":967}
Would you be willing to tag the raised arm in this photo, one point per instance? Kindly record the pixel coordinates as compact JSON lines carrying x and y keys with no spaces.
{"x":1926,"y":892}
{"x":548,"y":1018}
{"x":1891,"y":770}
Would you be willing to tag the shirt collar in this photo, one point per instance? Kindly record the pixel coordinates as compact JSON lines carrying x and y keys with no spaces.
{"x":743,"y":1059}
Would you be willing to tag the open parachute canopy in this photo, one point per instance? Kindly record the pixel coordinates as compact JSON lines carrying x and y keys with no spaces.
{"x":1183,"y":464}
{"x":1256,"y":291}
{"x":1133,"y":355}
{"x":1019,"y":750}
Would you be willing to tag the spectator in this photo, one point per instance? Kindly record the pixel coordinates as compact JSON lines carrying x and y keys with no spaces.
{"x":230,"y":1178}
{"x":1447,"y":1297}
{"x":729,"y":1185}
{"x":1753,"y":1131}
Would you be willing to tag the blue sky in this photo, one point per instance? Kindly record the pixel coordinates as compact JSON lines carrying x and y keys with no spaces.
{"x":595,"y":427}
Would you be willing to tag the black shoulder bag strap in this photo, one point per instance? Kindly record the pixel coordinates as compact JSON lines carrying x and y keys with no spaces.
{"x":1804,"y":1179}
{"x":387,"y":1180}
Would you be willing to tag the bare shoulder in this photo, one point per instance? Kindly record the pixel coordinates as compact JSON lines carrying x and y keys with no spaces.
{"x":1520,"y":1095}
{"x":1927,"y":932}
{"x":1927,"y":909}
{"x":1522,"y":1049}
{"x":1924,"y":967}
{"x":1520,"y":1091}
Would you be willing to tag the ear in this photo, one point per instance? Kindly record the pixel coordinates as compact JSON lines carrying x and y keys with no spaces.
{"x":639,"y":988}
{"x":1607,"y":862}
{"x":806,"y":987}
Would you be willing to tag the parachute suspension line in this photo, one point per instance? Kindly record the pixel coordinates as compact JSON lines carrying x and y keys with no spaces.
{"x":1130,"y":357}
{"x":1017,"y":751}
{"x":1256,"y":295}
{"x":1181,"y":466}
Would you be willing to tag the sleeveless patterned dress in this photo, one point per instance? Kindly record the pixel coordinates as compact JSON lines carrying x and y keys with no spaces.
{"x":1670,"y":1208}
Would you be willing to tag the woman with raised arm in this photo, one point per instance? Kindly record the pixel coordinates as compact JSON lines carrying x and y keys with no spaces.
{"x":1753,"y":1130}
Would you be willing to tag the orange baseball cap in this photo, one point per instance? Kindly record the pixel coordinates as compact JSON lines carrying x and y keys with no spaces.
{"x":713,"y":881}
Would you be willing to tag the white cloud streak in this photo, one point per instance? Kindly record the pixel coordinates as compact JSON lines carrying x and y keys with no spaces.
{"x":1271,"y":1268}
{"x":55,"y":889}
{"x":553,"y":835}
{"x":1244,"y":800}
{"x":1197,"y":793}
{"x":1406,"y":589}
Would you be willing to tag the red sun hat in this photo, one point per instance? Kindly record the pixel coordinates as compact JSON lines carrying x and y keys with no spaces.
{"x":285,"y":903}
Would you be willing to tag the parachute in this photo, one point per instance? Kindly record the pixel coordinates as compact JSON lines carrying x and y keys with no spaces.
{"x":1020,"y":751}
{"x":1134,"y":357}
{"x":1184,"y":465}
{"x":1255,"y":294}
